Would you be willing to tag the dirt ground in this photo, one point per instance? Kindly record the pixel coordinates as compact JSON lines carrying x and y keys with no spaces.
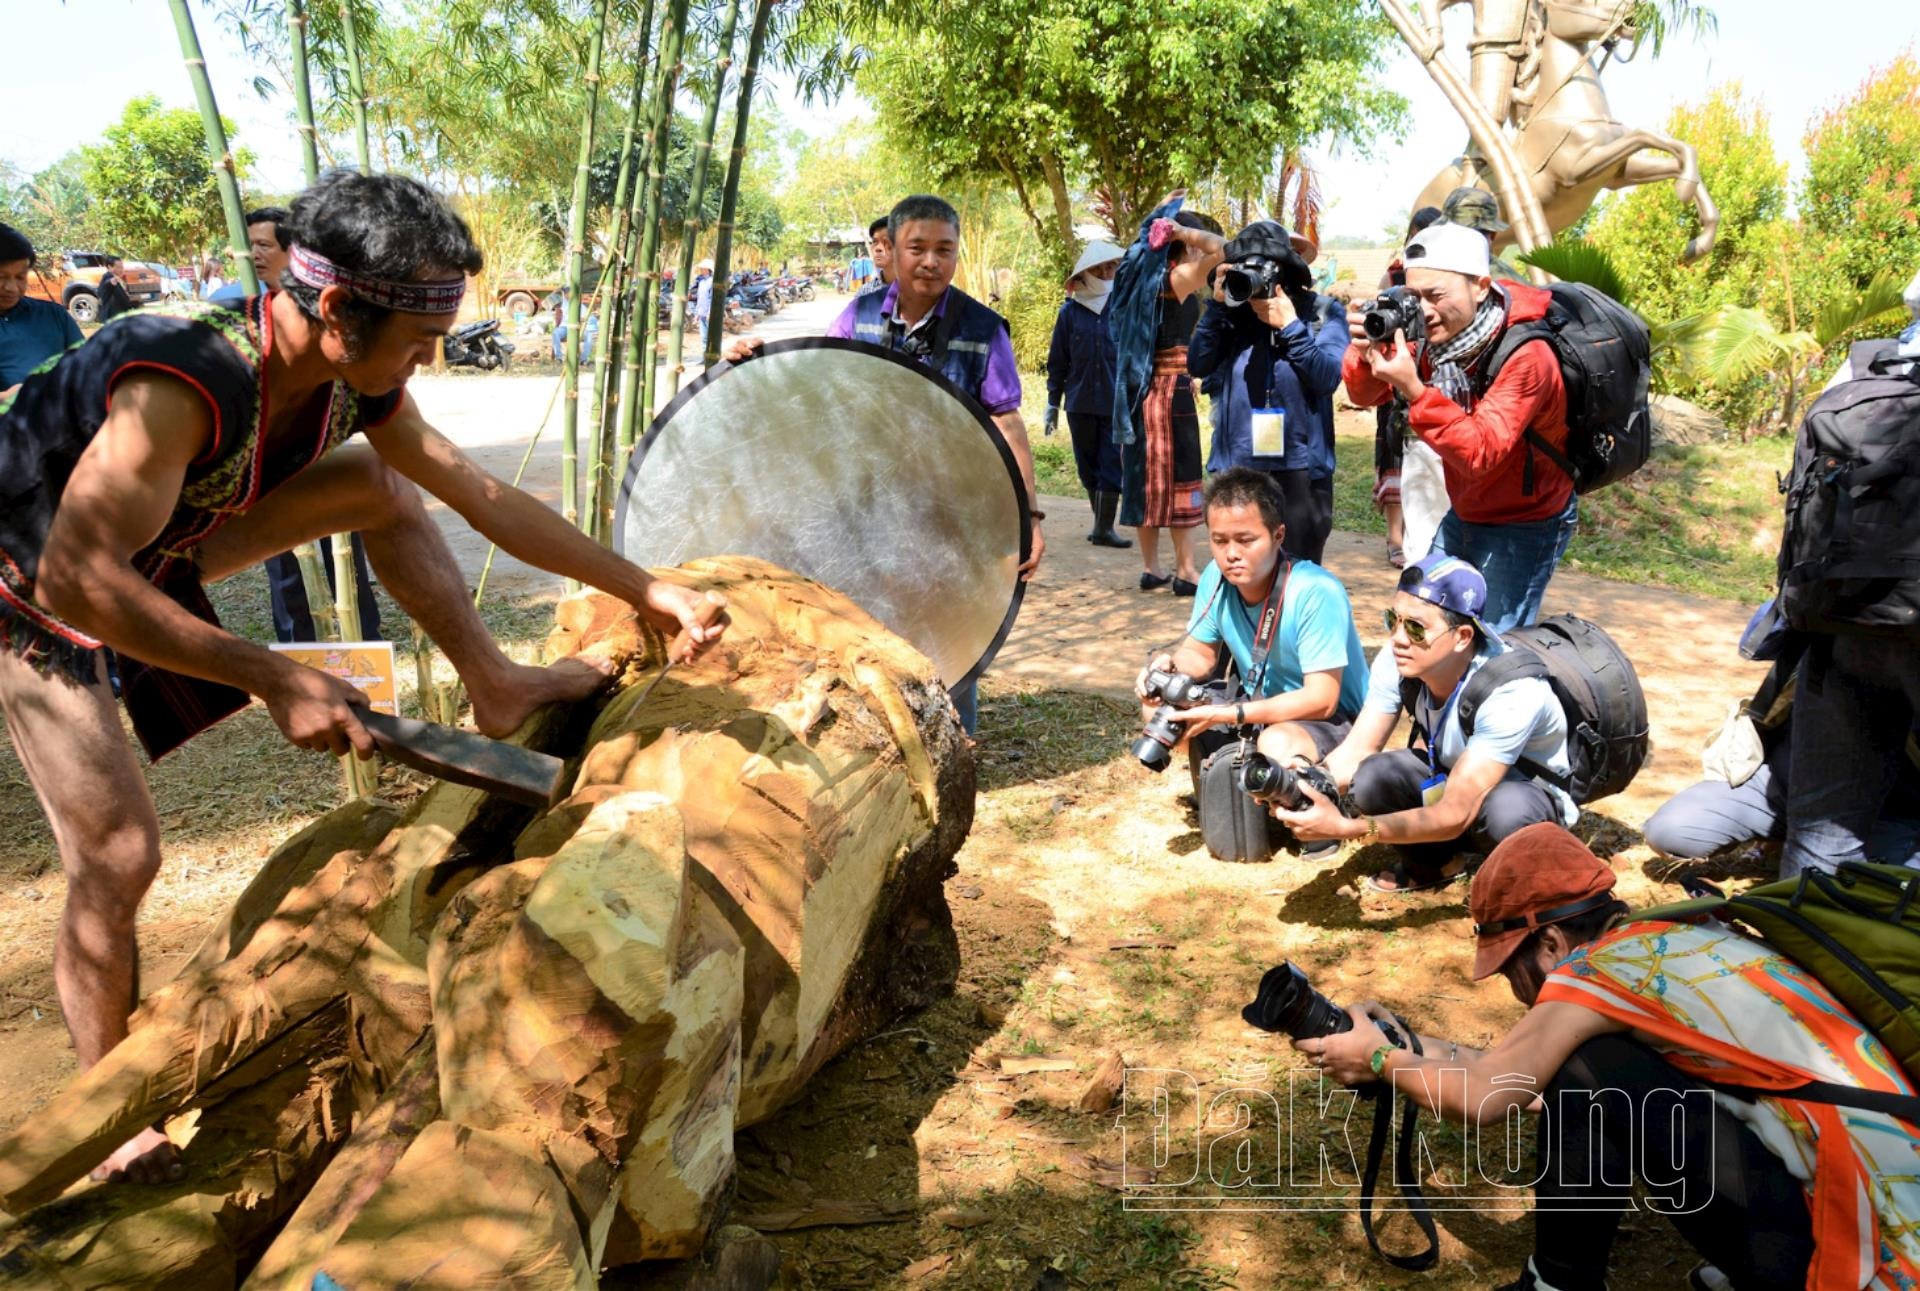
{"x":1092,"y":924}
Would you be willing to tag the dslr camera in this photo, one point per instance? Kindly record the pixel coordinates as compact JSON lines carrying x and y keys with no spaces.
{"x":1266,"y":781}
{"x":1174,"y":691}
{"x":1396,"y":309}
{"x":1288,"y":1005}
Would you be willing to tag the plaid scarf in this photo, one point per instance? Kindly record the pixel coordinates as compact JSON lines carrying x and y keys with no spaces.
{"x":1451,"y":359}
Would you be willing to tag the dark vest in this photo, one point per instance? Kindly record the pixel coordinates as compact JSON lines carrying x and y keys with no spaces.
{"x":956,"y":344}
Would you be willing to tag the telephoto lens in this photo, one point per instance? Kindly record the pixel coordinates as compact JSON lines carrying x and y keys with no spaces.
{"x":1154,"y":748}
{"x":1287,"y":1004}
{"x":1248,"y":281}
{"x":1264,"y":779}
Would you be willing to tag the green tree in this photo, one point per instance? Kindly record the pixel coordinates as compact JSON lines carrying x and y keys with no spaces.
{"x":52,"y":206}
{"x":1644,"y":230}
{"x":153,"y":185}
{"x":1124,"y":99}
{"x":1860,"y":200}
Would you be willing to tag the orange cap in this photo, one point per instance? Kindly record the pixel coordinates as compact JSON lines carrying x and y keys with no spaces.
{"x":1536,"y":876}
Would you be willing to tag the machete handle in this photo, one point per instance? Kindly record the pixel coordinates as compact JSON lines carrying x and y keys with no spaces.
{"x":712,"y":606}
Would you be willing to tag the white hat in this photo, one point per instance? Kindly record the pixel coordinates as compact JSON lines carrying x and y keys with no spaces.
{"x":1096,"y":254}
{"x":1453,"y":247}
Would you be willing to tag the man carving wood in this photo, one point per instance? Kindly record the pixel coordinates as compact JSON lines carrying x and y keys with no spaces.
{"x":187,"y":444}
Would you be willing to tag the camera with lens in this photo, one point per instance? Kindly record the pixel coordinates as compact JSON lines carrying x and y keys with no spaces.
{"x":1175,"y":691}
{"x":1265,"y":780}
{"x":1255,"y":278}
{"x":1396,"y":309}
{"x":1287,"y":1004}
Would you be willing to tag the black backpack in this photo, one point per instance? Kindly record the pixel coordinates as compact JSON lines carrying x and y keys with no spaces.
{"x":1606,"y":361}
{"x":1850,"y":556}
{"x":1607,"y":740}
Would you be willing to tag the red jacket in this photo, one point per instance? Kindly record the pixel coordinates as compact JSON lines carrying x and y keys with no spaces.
{"x":1483,"y":451}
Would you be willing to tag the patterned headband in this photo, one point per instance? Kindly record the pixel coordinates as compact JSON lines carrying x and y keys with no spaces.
{"x":315,"y":270}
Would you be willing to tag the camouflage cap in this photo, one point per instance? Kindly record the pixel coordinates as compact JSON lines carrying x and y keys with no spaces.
{"x":1474,"y":207}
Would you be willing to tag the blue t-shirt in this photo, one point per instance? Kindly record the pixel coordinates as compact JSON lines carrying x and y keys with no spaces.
{"x":1521,"y":719}
{"x":1316,"y":633}
{"x":32,"y":332}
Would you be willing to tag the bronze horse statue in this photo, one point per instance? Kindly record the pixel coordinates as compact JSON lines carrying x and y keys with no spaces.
{"x":1559,"y":125}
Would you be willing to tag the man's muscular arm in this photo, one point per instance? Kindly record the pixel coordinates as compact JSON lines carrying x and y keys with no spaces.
{"x":525,"y":527}
{"x":118,"y":499}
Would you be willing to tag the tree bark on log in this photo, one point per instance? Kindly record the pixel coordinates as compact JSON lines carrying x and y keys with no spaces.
{"x":487,"y":1047}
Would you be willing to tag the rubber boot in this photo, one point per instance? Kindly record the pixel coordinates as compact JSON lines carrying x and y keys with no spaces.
{"x":1105,"y":507}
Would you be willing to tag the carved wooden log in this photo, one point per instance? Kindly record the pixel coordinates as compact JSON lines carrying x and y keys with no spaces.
{"x":541,"y":1031}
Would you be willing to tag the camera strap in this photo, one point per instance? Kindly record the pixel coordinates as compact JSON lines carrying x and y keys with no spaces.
{"x":1267,"y":628}
{"x":1403,"y":1169}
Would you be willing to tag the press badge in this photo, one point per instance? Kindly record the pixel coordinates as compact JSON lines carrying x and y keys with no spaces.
{"x":1269,"y":432}
{"x":1432,"y":789}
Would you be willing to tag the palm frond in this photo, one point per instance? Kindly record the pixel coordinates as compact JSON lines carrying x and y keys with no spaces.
{"x":1851,"y":313}
{"x":1577,"y":260}
{"x":1736,"y":342}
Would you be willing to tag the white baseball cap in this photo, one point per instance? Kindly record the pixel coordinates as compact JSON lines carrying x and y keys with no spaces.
{"x":1453,"y":247}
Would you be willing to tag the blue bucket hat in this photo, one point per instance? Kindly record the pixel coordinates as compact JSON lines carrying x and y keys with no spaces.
{"x":1450,"y":583}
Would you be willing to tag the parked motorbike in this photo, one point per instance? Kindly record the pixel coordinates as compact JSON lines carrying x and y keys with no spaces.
{"x":478,"y":345}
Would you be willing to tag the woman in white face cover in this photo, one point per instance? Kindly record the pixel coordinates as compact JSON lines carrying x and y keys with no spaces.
{"x":1080,"y":380}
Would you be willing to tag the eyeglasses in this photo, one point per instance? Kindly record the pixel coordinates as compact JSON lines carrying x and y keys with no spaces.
{"x":1416,"y":630}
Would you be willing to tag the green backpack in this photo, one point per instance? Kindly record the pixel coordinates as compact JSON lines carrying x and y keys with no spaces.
{"x":1858,"y":931}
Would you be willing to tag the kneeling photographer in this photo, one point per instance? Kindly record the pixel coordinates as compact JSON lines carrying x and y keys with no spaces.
{"x":1274,"y":410}
{"x":1732,"y":1084}
{"x":1285,"y":625}
{"x":1465,"y":786}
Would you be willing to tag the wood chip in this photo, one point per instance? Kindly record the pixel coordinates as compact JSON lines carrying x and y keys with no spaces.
{"x":823,"y":1213}
{"x":1104,"y":1089}
{"x":962,"y":1217}
{"x":1143,"y":943}
{"x":928,"y":1267}
{"x":1030,"y":1066}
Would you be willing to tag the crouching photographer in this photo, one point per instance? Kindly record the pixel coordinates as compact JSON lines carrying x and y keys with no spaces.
{"x":1269,"y":352}
{"x":1735,"y":1085}
{"x":1285,"y":627}
{"x":1476,"y":776}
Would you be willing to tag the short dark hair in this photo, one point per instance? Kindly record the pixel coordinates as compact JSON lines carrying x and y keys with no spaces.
{"x":1193,"y":220}
{"x":879,"y":226}
{"x":1410,"y":578}
{"x":274,"y":215}
{"x":14,"y":245}
{"x":1424,"y":218}
{"x":387,"y":226}
{"x":921,"y":206}
{"x":1242,"y":486}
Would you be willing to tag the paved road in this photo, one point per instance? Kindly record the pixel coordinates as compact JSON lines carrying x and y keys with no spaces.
{"x":493,"y":416}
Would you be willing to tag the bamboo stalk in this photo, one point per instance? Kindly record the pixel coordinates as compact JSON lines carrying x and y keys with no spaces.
{"x":673,"y":35}
{"x":303,"y":92}
{"x":729,"y":200}
{"x":357,"y":84}
{"x":576,"y":271}
{"x":225,"y":176}
{"x":696,"y":196}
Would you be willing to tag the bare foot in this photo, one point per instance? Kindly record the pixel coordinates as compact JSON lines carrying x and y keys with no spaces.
{"x":147,"y":1157}
{"x":499,"y":710}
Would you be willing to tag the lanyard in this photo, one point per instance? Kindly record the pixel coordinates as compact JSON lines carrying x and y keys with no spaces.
{"x":1267,"y":628}
{"x":1439,"y":725}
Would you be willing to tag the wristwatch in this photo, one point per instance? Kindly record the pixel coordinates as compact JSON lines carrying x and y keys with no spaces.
{"x":1377,"y":1060}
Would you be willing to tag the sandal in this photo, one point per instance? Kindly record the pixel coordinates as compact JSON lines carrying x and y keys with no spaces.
{"x":1403,"y":878}
{"x":1396,"y":557}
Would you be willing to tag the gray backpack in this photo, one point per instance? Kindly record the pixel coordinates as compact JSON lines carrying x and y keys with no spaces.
{"x":1850,"y":556}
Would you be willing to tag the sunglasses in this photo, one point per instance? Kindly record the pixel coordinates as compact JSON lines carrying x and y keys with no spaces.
{"x":1417,"y":632}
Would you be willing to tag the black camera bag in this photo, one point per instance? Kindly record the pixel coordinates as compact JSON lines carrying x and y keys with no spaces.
{"x":1606,"y":361}
{"x":1850,"y":557}
{"x":1234,"y":826}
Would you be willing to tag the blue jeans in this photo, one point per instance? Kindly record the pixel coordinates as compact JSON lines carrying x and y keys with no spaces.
{"x":1849,"y":733}
{"x":1517,"y":560}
